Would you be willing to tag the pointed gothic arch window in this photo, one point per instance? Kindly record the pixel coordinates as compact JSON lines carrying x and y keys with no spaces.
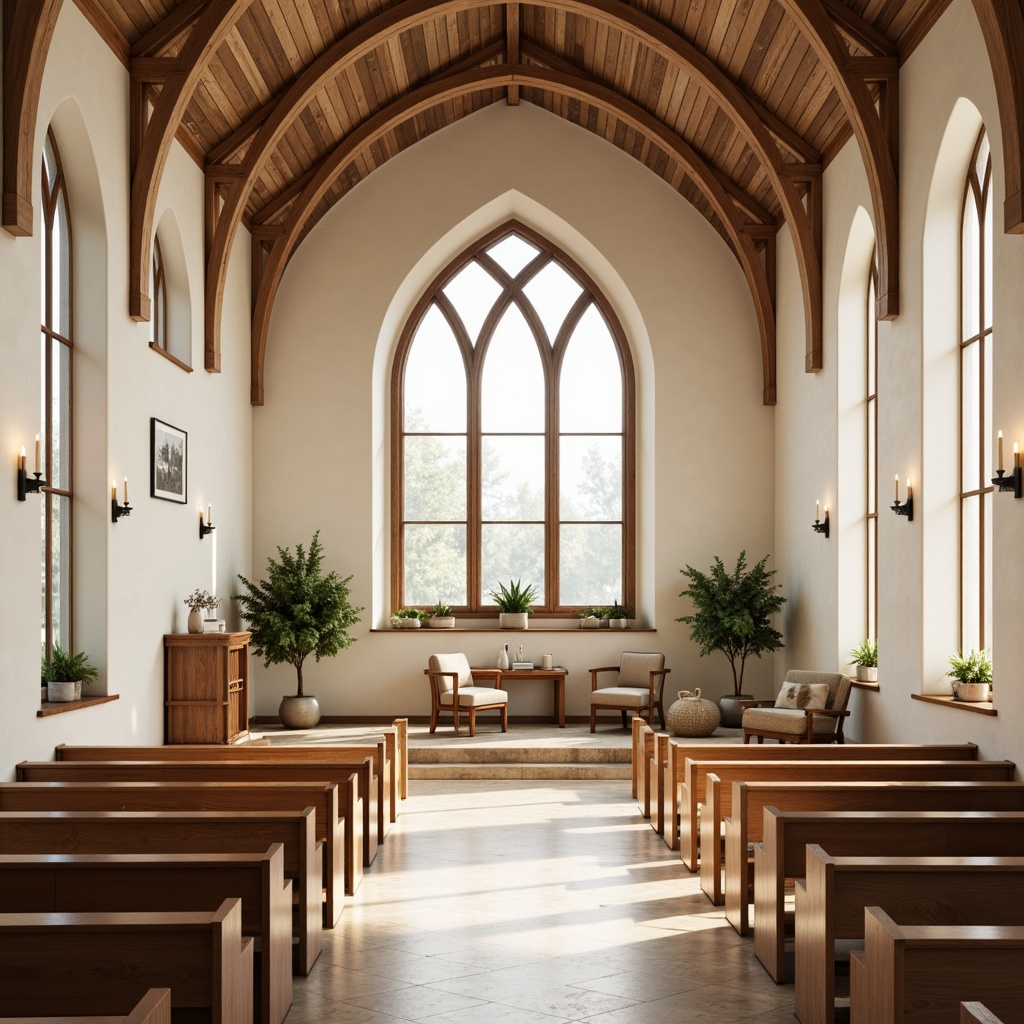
{"x":871,"y":455}
{"x":513,"y":436}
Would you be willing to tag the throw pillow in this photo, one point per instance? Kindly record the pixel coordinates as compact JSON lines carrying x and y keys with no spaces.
{"x":798,"y":696}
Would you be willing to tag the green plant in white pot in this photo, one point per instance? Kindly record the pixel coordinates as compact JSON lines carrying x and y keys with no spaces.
{"x":971,"y":673}
{"x":407,"y":618}
{"x":440,"y":616}
{"x":64,"y":674}
{"x":514,"y":603}
{"x":865,"y":657}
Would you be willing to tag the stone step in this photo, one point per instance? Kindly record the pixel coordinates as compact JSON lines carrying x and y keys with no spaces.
{"x":464,"y":755}
{"x":518,"y":770}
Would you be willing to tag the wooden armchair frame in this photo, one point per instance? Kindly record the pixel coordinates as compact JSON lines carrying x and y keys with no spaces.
{"x":808,"y":736}
{"x":652,"y":702}
{"x":437,"y":708}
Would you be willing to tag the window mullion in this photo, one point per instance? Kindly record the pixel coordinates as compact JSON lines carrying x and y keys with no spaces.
{"x":474,"y":486}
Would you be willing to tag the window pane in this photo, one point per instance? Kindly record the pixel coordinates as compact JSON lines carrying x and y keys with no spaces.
{"x":435,"y":564}
{"x":435,"y":378}
{"x":61,"y":263}
{"x":512,"y":479}
{"x":512,"y":254}
{"x":513,"y":551}
{"x":970,"y":412}
{"x":988,"y":259}
{"x":472,"y":292}
{"x":513,"y":379}
{"x":590,"y":385}
{"x":872,"y":584}
{"x":970,"y":271}
{"x":970,"y":554}
{"x":591,"y":478}
{"x":552,"y":293}
{"x":986,"y":638}
{"x":435,"y":478}
{"x":872,"y":469}
{"x":987,"y":470}
{"x":590,"y":570}
{"x":872,"y":323}
{"x":60,"y":568}
{"x":61,"y":412}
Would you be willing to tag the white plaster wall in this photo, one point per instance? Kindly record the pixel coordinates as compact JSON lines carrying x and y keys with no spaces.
{"x":705,"y":440}
{"x":130,"y":578}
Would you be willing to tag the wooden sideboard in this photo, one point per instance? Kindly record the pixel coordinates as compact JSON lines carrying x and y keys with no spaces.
{"x":206,"y":687}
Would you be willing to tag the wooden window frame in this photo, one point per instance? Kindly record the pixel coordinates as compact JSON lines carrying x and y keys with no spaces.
{"x":159,"y":340}
{"x":871,"y":457}
{"x":475,"y":607}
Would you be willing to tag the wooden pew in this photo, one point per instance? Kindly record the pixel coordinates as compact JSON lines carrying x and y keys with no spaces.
{"x":46,"y":883}
{"x":341,"y":838}
{"x":226,"y":771}
{"x":643,"y":752}
{"x":187,"y":832}
{"x":918,"y":974}
{"x":831,"y":900}
{"x":59,"y":964}
{"x":656,"y":781}
{"x":153,"y":1008}
{"x":749,"y":799}
{"x":695,"y":773}
{"x":636,"y":757}
{"x":678,"y":751}
{"x":782,"y":853}
{"x":977,"y":1013}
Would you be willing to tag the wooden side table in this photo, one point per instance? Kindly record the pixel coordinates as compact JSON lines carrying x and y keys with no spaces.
{"x":555,"y":675}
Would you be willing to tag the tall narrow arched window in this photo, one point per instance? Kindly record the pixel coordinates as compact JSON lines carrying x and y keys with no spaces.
{"x":871,"y":457}
{"x":55,"y":433}
{"x":158,"y":324}
{"x":976,"y":354}
{"x":513,"y":449}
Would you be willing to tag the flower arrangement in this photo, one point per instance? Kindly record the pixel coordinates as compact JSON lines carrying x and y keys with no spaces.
{"x":199,"y":600}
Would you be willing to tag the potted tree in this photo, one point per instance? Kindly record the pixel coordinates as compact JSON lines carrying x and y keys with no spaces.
{"x":298,"y":611}
{"x":514,"y":603}
{"x":64,"y":674}
{"x":732,"y":614}
{"x":865,"y":657}
{"x":440,"y":617}
{"x":971,"y":674}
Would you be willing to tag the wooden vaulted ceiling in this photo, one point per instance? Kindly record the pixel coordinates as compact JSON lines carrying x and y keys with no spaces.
{"x":288,"y":104}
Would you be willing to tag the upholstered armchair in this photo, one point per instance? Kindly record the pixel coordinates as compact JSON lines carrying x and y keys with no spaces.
{"x":452,"y":692}
{"x":636,"y":689}
{"x":810,"y":708}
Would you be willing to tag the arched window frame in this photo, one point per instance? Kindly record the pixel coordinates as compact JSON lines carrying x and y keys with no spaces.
{"x":975,"y":402}
{"x":871,"y":456}
{"x":477,"y":604}
{"x":56,"y":435}
{"x":159,"y":321}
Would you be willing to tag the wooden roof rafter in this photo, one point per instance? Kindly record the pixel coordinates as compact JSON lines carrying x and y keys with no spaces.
{"x":570,"y":84}
{"x":175,"y":24}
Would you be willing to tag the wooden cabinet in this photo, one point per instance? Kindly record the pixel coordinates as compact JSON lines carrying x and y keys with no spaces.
{"x":206,"y":687}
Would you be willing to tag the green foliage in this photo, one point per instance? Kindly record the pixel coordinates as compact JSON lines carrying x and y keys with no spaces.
{"x":64,"y":667}
{"x":440,"y":611}
{"x":618,"y":612}
{"x":515,"y":597}
{"x":733,"y":612}
{"x":865,"y":654}
{"x":408,"y":613}
{"x":298,"y":610}
{"x":972,"y":667}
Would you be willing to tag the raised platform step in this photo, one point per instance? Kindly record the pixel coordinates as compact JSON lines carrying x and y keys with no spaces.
{"x":508,"y":754}
{"x":518,"y":770}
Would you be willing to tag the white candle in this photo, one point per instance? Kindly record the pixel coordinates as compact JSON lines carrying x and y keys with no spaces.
{"x":37,"y":453}
{"x":21,"y":459}
{"x":817,"y":511}
{"x":113,"y":490}
{"x":910,"y":490}
{"x":1000,"y":436}
{"x":209,"y":515}
{"x":1016,"y":455}
{"x":897,"y":488}
{"x":126,"y":490}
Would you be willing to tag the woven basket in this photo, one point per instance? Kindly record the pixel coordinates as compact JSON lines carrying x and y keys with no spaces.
{"x":691,"y":715}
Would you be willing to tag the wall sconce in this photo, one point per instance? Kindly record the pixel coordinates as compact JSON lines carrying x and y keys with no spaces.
{"x":207,"y":527}
{"x":904,"y":508}
{"x":117,"y":511}
{"x":26,"y":486}
{"x":1014,"y":481}
{"x":819,"y":526}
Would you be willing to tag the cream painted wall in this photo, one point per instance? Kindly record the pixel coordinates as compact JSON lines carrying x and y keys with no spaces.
{"x":705,"y":439}
{"x":130,"y":578}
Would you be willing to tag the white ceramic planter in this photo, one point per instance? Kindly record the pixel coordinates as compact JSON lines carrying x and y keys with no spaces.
{"x":61,"y":693}
{"x":970,"y":693}
{"x":441,"y":622}
{"x":513,"y":620}
{"x":408,"y":623}
{"x":590,"y":622}
{"x":618,"y":623}
{"x":866,"y":674}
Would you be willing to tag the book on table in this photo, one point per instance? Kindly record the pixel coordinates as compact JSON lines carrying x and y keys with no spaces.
{"x":522,"y":664}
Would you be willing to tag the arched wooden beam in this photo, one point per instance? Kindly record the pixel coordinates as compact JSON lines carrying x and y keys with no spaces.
{"x":613,"y":13}
{"x":821,"y":33}
{"x":28,"y":29}
{"x":450,"y":87}
{"x":217,"y":20}
{"x":1002,"y":25}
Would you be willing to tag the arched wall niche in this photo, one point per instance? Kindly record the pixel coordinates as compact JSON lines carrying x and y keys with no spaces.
{"x":179,"y":299}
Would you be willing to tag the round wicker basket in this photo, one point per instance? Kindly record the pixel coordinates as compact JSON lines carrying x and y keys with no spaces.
{"x":691,"y":715}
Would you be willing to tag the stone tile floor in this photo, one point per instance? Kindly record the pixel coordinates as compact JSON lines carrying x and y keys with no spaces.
{"x":532,"y":903}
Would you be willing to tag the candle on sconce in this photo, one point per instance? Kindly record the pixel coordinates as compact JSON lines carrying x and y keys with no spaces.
{"x":817,"y":511}
{"x":37,"y":454}
{"x":1016,"y":455}
{"x":999,"y":437}
{"x":126,"y":490}
{"x":21,"y":459}
{"x":113,"y":490}
{"x":209,"y":515}
{"x":910,"y":490}
{"x":897,"y":494}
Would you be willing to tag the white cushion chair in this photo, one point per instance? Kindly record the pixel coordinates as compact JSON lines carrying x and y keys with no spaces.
{"x":810,"y":708}
{"x":452,"y":691}
{"x":639,"y":680}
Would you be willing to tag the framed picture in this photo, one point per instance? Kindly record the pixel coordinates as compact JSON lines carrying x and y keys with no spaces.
{"x":168,"y":460}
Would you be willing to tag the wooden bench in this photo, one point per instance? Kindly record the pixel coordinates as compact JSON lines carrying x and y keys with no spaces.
{"x":187,"y":832}
{"x":342,"y":842}
{"x":918,"y":974}
{"x":678,"y":751}
{"x":153,"y":1008}
{"x":227,"y":771}
{"x":749,"y":799}
{"x":46,"y":883}
{"x":831,"y":899}
{"x":782,"y":853}
{"x":59,"y":964}
{"x":695,"y":773}
{"x":643,"y":750}
{"x":977,"y":1013}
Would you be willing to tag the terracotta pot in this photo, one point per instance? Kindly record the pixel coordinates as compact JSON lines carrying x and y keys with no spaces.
{"x":299,"y":712}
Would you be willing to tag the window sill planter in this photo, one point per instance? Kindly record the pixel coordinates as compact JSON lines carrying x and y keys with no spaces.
{"x":513,"y":620}
{"x":441,"y":622}
{"x":408,"y":624}
{"x":590,"y":622}
{"x":61,"y":692}
{"x":970,"y":693}
{"x":866,"y":674}
{"x":619,"y":623}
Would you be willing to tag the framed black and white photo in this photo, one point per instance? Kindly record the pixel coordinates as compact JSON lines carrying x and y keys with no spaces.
{"x":168,"y":457}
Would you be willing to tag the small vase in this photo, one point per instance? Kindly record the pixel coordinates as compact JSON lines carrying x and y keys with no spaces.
{"x":195,"y":621}
{"x":503,"y":662}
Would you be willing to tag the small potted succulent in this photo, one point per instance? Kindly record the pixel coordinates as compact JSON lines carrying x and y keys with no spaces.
{"x":64,"y":674}
{"x":590,"y":618}
{"x":199,"y":601}
{"x":619,"y":617}
{"x":865,"y":657}
{"x":407,"y":618}
{"x":440,"y":617}
{"x":514,"y":603}
{"x":971,"y":673}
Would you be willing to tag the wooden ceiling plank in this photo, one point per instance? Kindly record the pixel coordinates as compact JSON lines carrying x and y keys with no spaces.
{"x":168,"y":29}
{"x":512,"y":48}
{"x":862,"y":32}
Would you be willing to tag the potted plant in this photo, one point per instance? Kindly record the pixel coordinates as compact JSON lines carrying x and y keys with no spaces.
{"x":514,"y":603}
{"x":971,"y":674}
{"x":440,"y":617}
{"x":298,"y":611}
{"x":732,"y":614}
{"x":590,"y":618}
{"x":407,"y":618}
{"x":64,"y":674}
{"x":865,"y":657}
{"x":619,"y":617}
{"x":198,"y":602}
